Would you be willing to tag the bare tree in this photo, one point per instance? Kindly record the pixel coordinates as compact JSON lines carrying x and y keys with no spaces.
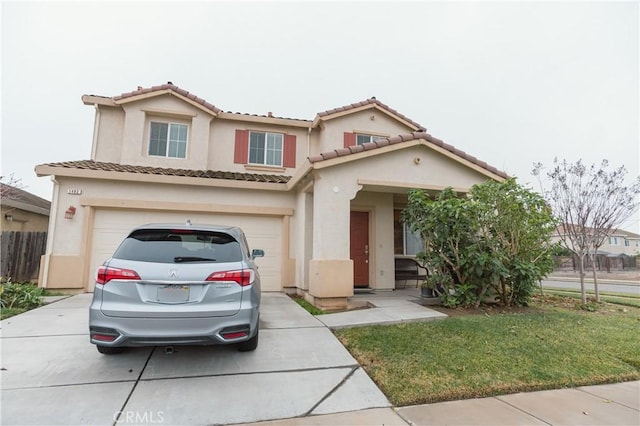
{"x":9,"y":186}
{"x":589,"y":202}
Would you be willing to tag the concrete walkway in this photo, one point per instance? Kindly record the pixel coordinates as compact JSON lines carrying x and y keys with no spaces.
{"x":386,"y":308}
{"x":299,"y":375}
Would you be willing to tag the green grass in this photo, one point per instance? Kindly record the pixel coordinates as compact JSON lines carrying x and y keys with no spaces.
{"x":308,"y":306}
{"x":478,"y":356}
{"x":9,"y":312}
{"x":626,"y":299}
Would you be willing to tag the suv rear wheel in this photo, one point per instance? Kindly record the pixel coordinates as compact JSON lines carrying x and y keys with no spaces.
{"x":109,"y":350}
{"x":249,"y":345}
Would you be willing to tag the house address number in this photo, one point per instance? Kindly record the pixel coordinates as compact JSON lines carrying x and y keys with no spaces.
{"x":74,"y":191}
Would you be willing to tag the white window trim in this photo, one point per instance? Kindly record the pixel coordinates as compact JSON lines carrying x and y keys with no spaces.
{"x":170,"y":123}
{"x":264,"y":163}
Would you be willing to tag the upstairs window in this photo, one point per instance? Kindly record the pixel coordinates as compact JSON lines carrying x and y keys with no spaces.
{"x":265,"y":148}
{"x":362,"y":139}
{"x":168,"y":140}
{"x":353,"y":139}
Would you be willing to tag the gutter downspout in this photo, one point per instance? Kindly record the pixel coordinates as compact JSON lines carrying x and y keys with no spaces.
{"x":51,"y":231}
{"x":96,"y":128}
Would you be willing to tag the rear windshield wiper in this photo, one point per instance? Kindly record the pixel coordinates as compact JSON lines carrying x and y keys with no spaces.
{"x":180,"y":259}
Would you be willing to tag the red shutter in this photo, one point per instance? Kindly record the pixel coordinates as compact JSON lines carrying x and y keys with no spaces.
{"x":241,"y":152}
{"x":349,"y":139}
{"x":289,"y":154}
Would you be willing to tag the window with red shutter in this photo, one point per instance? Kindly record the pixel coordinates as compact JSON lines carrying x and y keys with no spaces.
{"x":349,"y":139}
{"x":241,"y":151}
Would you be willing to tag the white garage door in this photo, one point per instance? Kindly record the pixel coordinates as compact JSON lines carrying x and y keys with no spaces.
{"x":263,"y":232}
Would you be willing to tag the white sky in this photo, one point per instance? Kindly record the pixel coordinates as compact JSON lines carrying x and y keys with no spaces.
{"x":511,"y":83}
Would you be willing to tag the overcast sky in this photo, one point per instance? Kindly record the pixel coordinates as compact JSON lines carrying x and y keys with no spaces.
{"x":511,"y":83}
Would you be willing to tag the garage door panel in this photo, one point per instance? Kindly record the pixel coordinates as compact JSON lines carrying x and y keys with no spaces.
{"x":111,"y":226}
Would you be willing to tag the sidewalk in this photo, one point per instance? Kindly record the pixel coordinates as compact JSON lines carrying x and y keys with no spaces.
{"x":616,"y":404}
{"x":612,"y":404}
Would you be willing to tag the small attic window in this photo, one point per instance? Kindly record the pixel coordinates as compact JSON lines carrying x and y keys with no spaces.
{"x":362,"y":139}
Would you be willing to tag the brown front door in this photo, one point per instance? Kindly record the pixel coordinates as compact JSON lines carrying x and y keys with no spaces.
{"x":359,"y":251}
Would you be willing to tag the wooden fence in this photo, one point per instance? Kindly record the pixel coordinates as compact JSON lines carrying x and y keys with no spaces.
{"x":603,"y":262}
{"x":20,"y":255}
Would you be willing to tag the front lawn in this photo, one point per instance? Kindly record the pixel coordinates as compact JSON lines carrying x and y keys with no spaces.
{"x":470,"y":356}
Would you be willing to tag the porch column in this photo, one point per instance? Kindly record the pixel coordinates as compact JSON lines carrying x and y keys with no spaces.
{"x":331,"y":269}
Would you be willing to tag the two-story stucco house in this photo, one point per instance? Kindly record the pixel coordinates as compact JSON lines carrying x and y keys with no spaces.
{"x":321,"y":196}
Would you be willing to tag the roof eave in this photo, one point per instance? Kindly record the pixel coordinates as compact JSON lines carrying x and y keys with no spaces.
{"x":404,"y":144}
{"x":98,"y":100}
{"x":142,"y":96}
{"x":276,"y":121}
{"x":47,"y":170}
{"x":338,"y":114}
{"x":16,"y":204}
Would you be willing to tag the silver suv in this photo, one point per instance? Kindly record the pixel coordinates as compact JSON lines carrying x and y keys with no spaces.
{"x":169,"y":284}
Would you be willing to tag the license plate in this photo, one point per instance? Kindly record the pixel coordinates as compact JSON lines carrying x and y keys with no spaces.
{"x":173,"y":293}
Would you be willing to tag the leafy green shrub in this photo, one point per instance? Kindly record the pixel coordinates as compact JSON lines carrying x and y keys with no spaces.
{"x":494,"y":241}
{"x":16,"y":295}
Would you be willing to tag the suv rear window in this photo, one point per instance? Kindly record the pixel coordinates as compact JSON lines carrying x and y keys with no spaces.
{"x":179,"y":246}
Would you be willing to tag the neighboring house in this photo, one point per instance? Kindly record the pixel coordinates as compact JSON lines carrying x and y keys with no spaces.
{"x":617,"y":242}
{"x":23,"y":211}
{"x":322,"y":197}
{"x":622,"y":242}
{"x":24,"y":220}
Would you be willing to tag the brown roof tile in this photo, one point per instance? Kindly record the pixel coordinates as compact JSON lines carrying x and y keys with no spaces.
{"x":204,"y":174}
{"x":405,"y":138}
{"x":169,"y":86}
{"x":192,"y":97}
{"x":371,"y":101}
{"x":14,"y":193}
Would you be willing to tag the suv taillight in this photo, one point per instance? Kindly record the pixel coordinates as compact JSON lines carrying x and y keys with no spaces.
{"x":243,"y":277}
{"x":106,"y":274}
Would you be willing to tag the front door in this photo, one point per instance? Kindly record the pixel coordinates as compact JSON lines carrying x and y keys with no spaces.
{"x":359,"y":250}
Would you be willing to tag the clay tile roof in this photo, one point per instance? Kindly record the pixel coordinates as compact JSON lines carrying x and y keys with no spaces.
{"x":204,"y":174}
{"x":192,"y":97}
{"x":371,"y":101}
{"x":268,"y":116}
{"x":172,"y":87}
{"x":14,"y":193}
{"x":405,"y":138}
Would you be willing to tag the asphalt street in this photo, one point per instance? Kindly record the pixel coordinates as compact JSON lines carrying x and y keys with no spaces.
{"x":607,"y":286}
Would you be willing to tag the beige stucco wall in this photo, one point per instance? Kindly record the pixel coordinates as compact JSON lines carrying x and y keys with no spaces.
{"x":109,"y":128}
{"x":123,"y":136}
{"x":138,"y":116}
{"x":302,"y":238}
{"x":69,"y":242}
{"x":370,"y":121}
{"x":69,"y":234}
{"x":222,"y":143}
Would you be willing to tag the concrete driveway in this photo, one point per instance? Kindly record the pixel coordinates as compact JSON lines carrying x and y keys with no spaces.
{"x":51,"y":374}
